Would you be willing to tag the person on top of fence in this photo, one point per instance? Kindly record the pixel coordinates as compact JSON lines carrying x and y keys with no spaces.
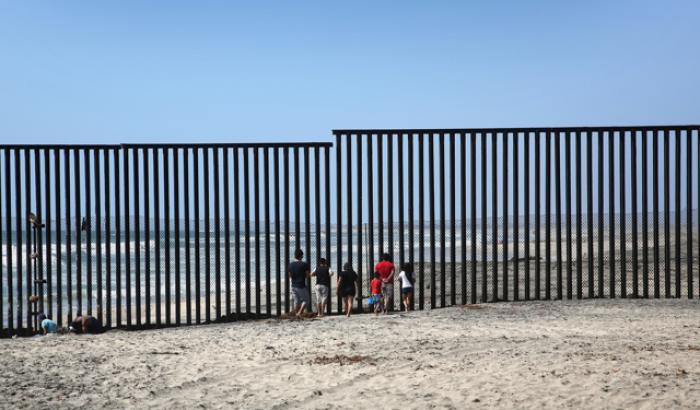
{"x":323,"y":275}
{"x":299,"y":271}
{"x":386,"y":272}
{"x":346,"y":287}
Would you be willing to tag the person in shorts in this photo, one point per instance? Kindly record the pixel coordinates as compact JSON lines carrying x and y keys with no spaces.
{"x":323,"y":285}
{"x":299,"y":271}
{"x":406,"y":278}
{"x":386,"y":274}
{"x":347,"y":289}
{"x":376,"y":293}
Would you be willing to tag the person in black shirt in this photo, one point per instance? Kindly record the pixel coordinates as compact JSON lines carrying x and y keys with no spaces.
{"x":346,"y":287}
{"x":298,"y":272}
{"x":323,"y":285}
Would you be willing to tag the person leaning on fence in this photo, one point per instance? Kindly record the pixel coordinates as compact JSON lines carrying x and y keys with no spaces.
{"x":375,"y":298}
{"x":386,"y":272}
{"x":346,"y":287}
{"x":323,"y":285}
{"x":298,"y":272}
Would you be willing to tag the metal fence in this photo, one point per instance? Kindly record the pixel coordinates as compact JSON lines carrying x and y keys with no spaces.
{"x":157,"y":235}
{"x":524,"y":213}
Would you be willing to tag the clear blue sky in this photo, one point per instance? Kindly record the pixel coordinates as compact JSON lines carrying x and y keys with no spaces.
{"x":131,"y":71}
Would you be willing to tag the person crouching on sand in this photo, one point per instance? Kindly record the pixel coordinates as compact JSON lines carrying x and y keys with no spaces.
{"x":86,"y":324}
{"x":346,"y":287}
{"x":47,"y":325}
{"x":376,"y":293}
{"x":298,"y":272}
{"x":406,"y":278}
{"x":323,"y":285}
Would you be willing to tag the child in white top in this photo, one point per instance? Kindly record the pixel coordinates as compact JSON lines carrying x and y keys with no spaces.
{"x":406,"y":278}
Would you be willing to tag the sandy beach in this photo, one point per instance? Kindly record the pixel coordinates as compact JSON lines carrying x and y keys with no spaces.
{"x":580,"y":354}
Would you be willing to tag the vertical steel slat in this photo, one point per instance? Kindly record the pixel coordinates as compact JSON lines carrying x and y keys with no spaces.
{"x":431,"y":188}
{"x":472,"y":201}
{"x":611,"y":209}
{"x":188,"y":266}
{"x":349,"y":199}
{"x":655,"y":203}
{"x":411,"y":213}
{"x":689,"y":209}
{"x":667,"y":216}
{"x":390,"y":201}
{"x":207,"y":236}
{"x":484,"y":222}
{"x":137,"y":234}
{"x":505,"y":216}
{"x":78,"y":228}
{"x":297,"y":201}
{"x":677,"y":177}
{"x":237,"y":228}
{"x":38,"y":239}
{"x":527,"y":213}
{"x":147,"y":230}
{"x":601,"y":214}
{"x":176,"y":211}
{"x":443,"y":194}
{"x":246,"y":226}
{"x":278,"y":256}
{"x":197,"y":234}
{"x":370,"y":203}
{"x":28,"y":235}
{"x":8,"y":244}
{"x":227,"y":231}
{"x":579,"y":225}
{"x":317,"y":202}
{"x":589,"y":213}
{"x":117,"y":237}
{"x":548,"y":215}
{"x":463,"y":207}
{"x":516,"y":217}
{"x":538,"y":230}
{"x":88,"y":233}
{"x":268,"y":262}
{"x":127,"y":235}
{"x":402,"y":251}
{"x":59,"y":257}
{"x":453,"y":217}
{"x":569,"y":229}
{"x":108,"y":234}
{"x":217,"y":232}
{"x":286,"y":228}
{"x":48,"y":275}
{"x":166,"y":215}
{"x":327,"y":193}
{"x":360,"y":291}
{"x":421,"y":218}
{"x":645,"y":215}
{"x":256,"y":199}
{"x":98,"y":229}
{"x":557,"y":200}
{"x":339,"y":209}
{"x":380,"y":194}
{"x":157,"y":232}
{"x":18,"y":230}
{"x":494,"y":203}
{"x":635,"y":241}
{"x":623,"y":235}
{"x":2,"y":264}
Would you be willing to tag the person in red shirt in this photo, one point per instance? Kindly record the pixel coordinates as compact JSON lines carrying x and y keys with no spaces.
{"x":386,"y":274}
{"x":376,"y":289}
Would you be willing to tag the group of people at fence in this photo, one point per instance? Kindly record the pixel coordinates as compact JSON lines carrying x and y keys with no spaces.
{"x":381,"y":298}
